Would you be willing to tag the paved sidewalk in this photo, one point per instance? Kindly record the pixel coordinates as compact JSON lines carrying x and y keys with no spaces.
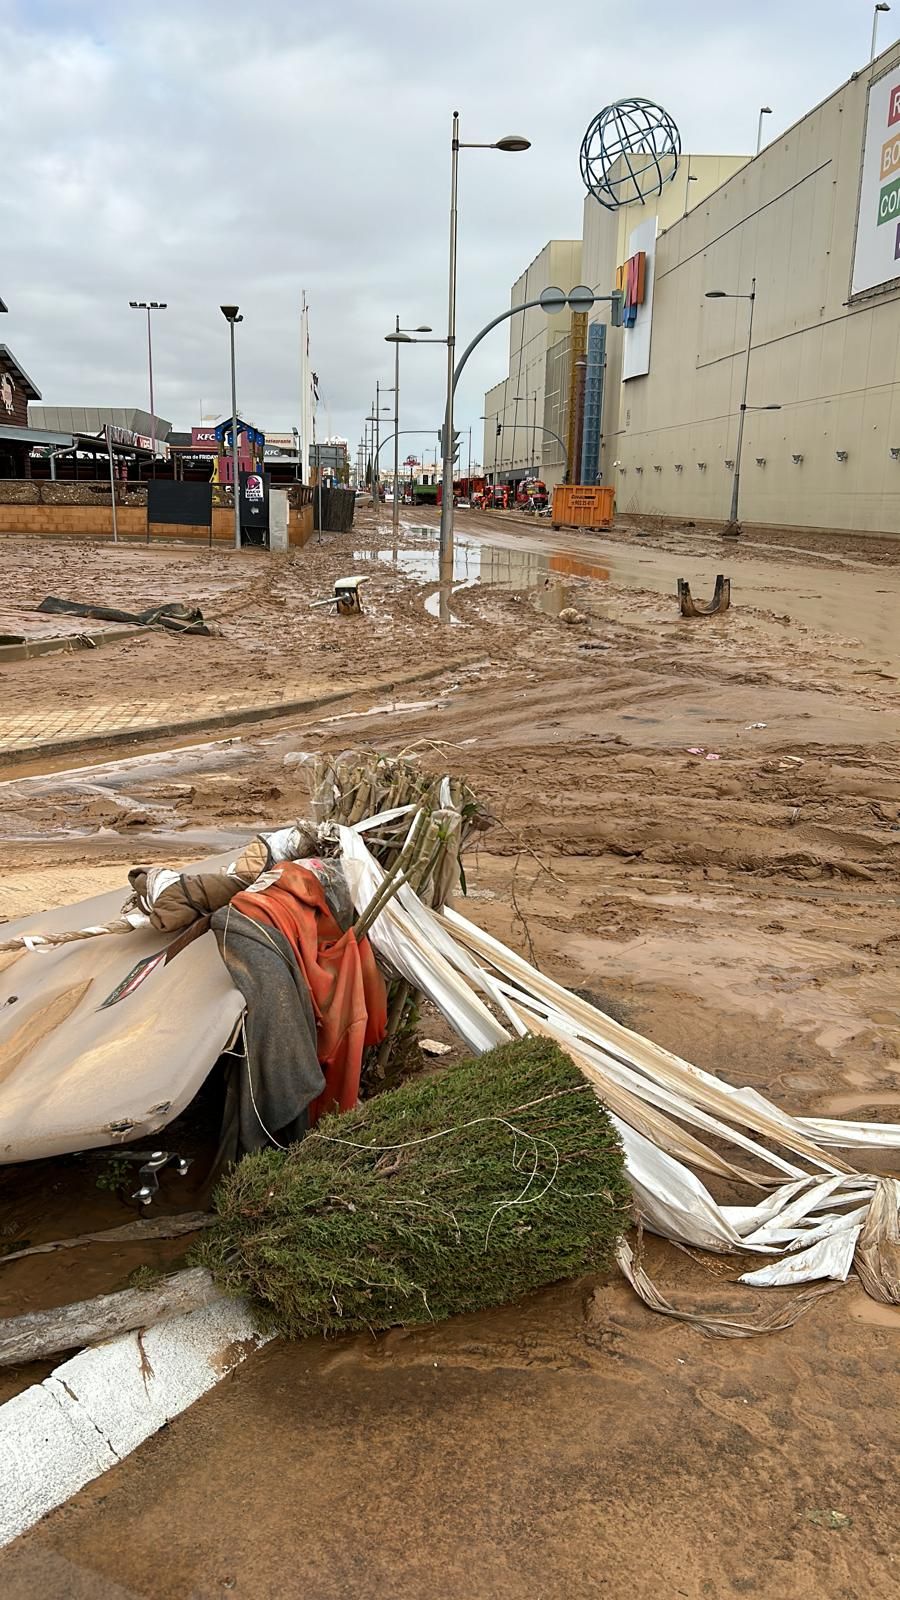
{"x":35,"y":729}
{"x":44,"y":732}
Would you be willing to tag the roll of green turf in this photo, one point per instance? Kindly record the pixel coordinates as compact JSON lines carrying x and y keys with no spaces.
{"x":463,"y":1189}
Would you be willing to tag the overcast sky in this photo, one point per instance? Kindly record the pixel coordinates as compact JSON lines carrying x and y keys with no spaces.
{"x":200,"y":152}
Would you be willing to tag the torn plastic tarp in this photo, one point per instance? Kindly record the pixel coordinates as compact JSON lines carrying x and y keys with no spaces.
{"x":662,"y":1105}
{"x":91,"y":1056}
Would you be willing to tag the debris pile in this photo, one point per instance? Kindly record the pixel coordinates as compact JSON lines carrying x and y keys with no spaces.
{"x":297,"y":966}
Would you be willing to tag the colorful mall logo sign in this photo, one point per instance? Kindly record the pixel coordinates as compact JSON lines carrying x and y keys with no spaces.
{"x":631,"y":280}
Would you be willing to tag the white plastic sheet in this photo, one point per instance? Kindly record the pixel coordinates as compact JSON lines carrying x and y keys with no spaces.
{"x":673,"y":1118}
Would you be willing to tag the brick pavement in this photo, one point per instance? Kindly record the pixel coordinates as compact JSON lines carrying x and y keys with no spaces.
{"x":44,"y":730}
{"x":38,"y":729}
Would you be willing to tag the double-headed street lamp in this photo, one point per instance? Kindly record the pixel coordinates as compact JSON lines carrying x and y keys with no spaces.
{"x":398,"y":337}
{"x":724,"y":294}
{"x":150,"y":306}
{"x":231,"y":315}
{"x":510,"y":142}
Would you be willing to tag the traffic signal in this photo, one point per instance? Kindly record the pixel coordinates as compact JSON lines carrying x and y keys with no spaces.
{"x":616,"y":308}
{"x":499,"y":429}
{"x":456,"y":438}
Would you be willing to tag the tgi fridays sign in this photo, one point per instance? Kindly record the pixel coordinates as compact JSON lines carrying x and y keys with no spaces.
{"x":876,"y":258}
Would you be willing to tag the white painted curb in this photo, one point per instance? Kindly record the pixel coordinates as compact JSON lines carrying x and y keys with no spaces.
{"x":100,"y":1405}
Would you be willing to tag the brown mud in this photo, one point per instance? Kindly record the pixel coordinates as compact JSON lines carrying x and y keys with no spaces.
{"x":743,"y":911}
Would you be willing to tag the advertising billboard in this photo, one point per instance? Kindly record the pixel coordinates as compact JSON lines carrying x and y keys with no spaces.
{"x":876,"y":258}
{"x":639,"y":319}
{"x":281,"y":444}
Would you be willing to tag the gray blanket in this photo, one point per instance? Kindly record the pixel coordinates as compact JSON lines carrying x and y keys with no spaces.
{"x":268,"y":1090}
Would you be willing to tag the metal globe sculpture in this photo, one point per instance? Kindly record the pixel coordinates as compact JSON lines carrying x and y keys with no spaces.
{"x":643,"y":139}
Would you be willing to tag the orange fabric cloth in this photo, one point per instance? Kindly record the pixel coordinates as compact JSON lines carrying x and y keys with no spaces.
{"x":347,"y":990}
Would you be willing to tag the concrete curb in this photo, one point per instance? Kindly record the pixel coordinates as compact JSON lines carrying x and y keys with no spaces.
{"x":27,"y":649}
{"x":101,"y":1404}
{"x":13,"y":754}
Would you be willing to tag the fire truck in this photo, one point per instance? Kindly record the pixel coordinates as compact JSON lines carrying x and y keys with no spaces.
{"x":531,"y":494}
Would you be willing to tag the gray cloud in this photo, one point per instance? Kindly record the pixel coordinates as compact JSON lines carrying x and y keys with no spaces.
{"x":212,"y":151}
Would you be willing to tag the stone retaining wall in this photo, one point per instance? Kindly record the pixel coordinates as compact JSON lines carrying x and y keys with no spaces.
{"x":80,"y":511}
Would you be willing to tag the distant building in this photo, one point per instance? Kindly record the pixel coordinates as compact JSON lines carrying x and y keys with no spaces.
{"x":528,"y":426}
{"x":128,"y":426}
{"x":206,"y":451}
{"x":16,"y":390}
{"x":811,"y":227}
{"x":331,"y":458}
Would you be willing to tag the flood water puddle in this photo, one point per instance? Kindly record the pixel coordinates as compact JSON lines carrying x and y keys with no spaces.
{"x":854,"y":604}
{"x":494,"y":566}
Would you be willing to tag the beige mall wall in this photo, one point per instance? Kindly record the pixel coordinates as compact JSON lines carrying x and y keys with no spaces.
{"x":789,"y":218}
{"x":519,"y":401}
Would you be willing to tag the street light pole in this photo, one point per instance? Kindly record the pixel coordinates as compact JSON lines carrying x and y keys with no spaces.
{"x":877,"y":9}
{"x":446,"y":537}
{"x":764,"y":111}
{"x":148,"y":306}
{"x":398,"y":337}
{"x":395,"y":503}
{"x":724,"y":294}
{"x":376,"y":506}
{"x":736,"y":484}
{"x":231,"y":315}
{"x":510,"y":142}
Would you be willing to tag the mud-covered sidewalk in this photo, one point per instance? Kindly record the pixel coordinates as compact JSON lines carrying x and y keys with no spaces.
{"x":697,"y":821}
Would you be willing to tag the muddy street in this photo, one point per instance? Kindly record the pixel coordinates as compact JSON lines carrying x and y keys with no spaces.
{"x":695,"y":821}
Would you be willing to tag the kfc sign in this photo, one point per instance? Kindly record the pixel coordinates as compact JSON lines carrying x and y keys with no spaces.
{"x":204,"y":439}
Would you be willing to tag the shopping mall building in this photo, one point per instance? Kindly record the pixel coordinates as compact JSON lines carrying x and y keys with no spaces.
{"x":815,"y":220}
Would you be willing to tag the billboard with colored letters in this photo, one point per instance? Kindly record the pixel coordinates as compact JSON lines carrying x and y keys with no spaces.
{"x":876,"y":259}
